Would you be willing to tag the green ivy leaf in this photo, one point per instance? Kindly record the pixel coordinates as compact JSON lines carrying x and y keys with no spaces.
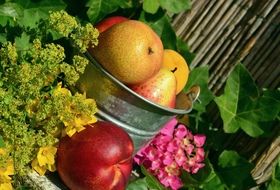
{"x":175,"y":6}
{"x":274,"y":184}
{"x":200,"y":76}
{"x":184,"y":50}
{"x":214,"y":183}
{"x":8,"y":12}
{"x":235,"y":170}
{"x":12,"y":10}
{"x":151,"y":181}
{"x":272,"y":98}
{"x":241,"y":105}
{"x":22,"y":42}
{"x":3,"y":37}
{"x":205,"y":179}
{"x":139,"y":184}
{"x":151,"y":6}
{"x":160,"y":23}
{"x":36,"y":10}
{"x":98,"y":9}
{"x":2,"y":143}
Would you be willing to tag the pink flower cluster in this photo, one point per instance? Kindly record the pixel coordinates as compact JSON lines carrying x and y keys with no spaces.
{"x":173,"y":149}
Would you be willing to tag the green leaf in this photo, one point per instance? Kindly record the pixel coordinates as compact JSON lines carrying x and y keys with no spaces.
{"x":22,"y":42}
{"x":183,"y":49}
{"x":9,"y":12}
{"x":139,"y":184}
{"x":205,"y":179}
{"x":36,"y":10}
{"x":200,"y":76}
{"x":175,"y":6}
{"x":98,"y":9}
{"x":205,"y":174}
{"x":214,"y":183}
{"x":235,"y":170}
{"x":3,"y":37}
{"x":160,"y":23}
{"x":12,"y":10}
{"x":238,"y":105}
{"x":151,"y":6}
{"x":2,"y":143}
{"x":242,"y":107}
{"x":273,"y":100}
{"x":151,"y":181}
{"x":274,"y":184}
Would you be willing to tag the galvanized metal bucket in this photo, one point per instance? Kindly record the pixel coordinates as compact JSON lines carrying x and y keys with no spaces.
{"x":117,"y":103}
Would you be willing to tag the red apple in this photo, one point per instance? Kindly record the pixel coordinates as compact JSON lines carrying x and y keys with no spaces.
{"x":108,"y":22}
{"x":97,"y":158}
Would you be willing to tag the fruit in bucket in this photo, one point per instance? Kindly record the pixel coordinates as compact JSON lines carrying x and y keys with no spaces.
{"x":173,"y":61}
{"x":161,"y":88}
{"x":108,"y":22}
{"x":131,"y":51}
{"x":97,"y":158}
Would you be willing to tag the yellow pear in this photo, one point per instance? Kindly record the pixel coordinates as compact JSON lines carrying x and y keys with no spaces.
{"x":161,"y":88}
{"x":131,"y":51}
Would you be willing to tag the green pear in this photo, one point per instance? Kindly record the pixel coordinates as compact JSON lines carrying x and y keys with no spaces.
{"x":131,"y":51}
{"x":160,"y":89}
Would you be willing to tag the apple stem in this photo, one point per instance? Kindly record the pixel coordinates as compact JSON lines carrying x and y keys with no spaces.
{"x":175,"y":69}
{"x":150,"y":50}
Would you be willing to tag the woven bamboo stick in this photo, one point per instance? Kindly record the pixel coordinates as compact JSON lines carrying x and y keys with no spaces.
{"x":254,"y":24}
{"x":214,"y":42}
{"x":270,"y":52}
{"x":183,"y":20}
{"x":269,"y":37}
{"x":212,"y":26}
{"x":263,"y":36}
{"x":272,"y":71}
{"x":200,"y":32}
{"x":262,"y":171}
{"x":193,"y":17}
{"x":194,"y":32}
{"x":266,"y":36}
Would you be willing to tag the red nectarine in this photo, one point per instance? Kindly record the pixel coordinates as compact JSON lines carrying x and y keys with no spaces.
{"x":108,"y":22}
{"x":97,"y":158}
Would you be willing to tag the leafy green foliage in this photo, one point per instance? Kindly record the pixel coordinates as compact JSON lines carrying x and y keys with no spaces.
{"x":34,"y":11}
{"x":140,"y":184}
{"x":98,"y":9}
{"x":151,"y":181}
{"x":235,"y":170}
{"x":2,"y":143}
{"x":199,"y":76}
{"x":242,"y":107}
{"x":232,"y":172}
{"x":160,"y":23}
{"x":23,"y":42}
{"x":151,"y":6}
{"x":171,"y":6}
{"x":184,"y":50}
{"x":9,"y":11}
{"x":274,"y":184}
{"x":28,"y":13}
{"x":175,"y":6}
{"x":145,"y":183}
{"x":206,"y":179}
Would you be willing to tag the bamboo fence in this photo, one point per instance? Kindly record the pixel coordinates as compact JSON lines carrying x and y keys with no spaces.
{"x":224,"y":32}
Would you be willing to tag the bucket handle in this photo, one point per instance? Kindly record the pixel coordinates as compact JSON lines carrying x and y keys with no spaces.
{"x":187,"y":99}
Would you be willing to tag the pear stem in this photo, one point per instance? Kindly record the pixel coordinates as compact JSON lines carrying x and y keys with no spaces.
{"x":150,"y":50}
{"x":175,"y":69}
